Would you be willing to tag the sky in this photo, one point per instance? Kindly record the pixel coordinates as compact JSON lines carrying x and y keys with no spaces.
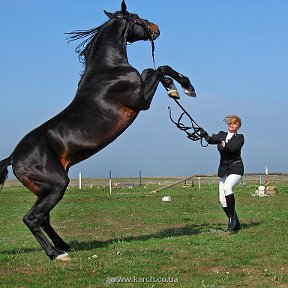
{"x":234,"y":52}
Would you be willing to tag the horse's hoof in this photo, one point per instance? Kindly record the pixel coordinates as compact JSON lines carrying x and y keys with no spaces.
{"x":190,"y":93}
{"x":173,"y":93}
{"x":63,"y":257}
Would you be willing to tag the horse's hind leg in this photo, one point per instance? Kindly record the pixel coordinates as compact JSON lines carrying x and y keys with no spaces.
{"x":50,"y":190}
{"x":52,"y":234}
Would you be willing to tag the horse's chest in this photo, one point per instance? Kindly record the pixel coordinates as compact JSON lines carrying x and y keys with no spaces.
{"x":126,"y":116}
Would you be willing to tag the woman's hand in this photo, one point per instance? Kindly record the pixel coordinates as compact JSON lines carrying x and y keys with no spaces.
{"x":223,"y":143}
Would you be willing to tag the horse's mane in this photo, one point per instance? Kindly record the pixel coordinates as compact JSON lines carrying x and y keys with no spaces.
{"x":83,"y":48}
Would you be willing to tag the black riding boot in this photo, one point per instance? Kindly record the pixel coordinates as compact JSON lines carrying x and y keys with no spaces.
{"x":230,"y":200}
{"x":237,"y":225}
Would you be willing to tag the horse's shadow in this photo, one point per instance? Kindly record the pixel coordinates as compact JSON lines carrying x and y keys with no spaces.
{"x":166,"y":233}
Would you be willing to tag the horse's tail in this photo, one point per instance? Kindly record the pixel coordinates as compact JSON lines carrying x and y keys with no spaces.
{"x":3,"y":170}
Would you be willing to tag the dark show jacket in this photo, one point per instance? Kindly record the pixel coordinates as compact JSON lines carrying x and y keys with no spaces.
{"x":230,"y":155}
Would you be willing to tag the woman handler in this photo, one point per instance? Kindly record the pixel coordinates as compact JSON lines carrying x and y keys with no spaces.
{"x":231,"y":167}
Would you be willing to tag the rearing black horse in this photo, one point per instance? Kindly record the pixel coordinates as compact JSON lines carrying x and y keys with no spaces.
{"x":110,"y":95}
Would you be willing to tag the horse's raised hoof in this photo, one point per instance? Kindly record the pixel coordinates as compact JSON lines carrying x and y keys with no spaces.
{"x":63,"y":257}
{"x":173,"y":93}
{"x":190,"y":93}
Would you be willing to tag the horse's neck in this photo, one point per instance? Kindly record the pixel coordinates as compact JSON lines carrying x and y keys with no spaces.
{"x":109,"y":46}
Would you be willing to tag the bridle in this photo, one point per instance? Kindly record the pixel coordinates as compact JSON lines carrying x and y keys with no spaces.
{"x":147,"y":28}
{"x":124,"y":14}
{"x":149,"y":32}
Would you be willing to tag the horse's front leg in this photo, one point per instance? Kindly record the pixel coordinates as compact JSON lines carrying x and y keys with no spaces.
{"x":151,"y":78}
{"x":180,"y":78}
{"x":170,"y":87}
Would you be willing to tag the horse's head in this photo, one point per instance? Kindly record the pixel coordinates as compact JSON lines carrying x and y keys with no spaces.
{"x":135,"y":29}
{"x":138,"y":29}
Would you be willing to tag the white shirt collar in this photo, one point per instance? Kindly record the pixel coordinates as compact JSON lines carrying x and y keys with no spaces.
{"x":229,"y":135}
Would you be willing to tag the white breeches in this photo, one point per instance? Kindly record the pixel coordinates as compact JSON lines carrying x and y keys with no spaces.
{"x":226,"y":185}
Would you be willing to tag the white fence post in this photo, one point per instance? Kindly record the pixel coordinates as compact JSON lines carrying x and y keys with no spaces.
{"x":110,"y":182}
{"x":80,"y":180}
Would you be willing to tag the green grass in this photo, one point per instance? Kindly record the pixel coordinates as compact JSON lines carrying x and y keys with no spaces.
{"x":134,"y":235}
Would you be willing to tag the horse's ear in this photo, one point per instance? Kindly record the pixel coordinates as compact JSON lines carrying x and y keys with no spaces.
{"x":110,"y":15}
{"x":123,"y":7}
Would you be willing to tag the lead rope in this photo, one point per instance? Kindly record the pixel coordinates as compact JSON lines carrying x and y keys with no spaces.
{"x":153,"y":54}
{"x":198,"y":134}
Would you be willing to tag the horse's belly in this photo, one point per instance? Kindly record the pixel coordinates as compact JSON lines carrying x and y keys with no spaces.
{"x":98,"y":138}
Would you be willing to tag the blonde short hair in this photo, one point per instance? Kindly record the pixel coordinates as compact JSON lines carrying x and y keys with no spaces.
{"x":232,"y":119}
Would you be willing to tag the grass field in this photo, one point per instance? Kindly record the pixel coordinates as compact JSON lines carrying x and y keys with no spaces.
{"x":132,"y":239}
